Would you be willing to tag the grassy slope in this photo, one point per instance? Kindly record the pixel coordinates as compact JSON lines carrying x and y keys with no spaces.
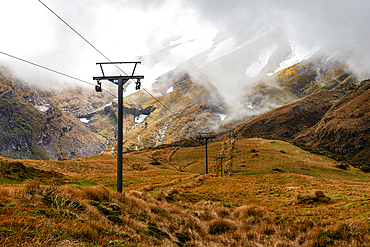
{"x":268,"y":200}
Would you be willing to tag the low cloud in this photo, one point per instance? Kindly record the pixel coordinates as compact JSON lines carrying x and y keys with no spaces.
{"x":189,"y":34}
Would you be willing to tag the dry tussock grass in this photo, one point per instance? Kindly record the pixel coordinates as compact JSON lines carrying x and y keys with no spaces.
{"x":204,"y":223}
{"x":220,"y":226}
{"x":98,"y":193}
{"x":245,"y":212}
{"x":199,"y":210}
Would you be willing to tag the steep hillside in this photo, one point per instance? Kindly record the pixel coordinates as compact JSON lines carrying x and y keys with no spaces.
{"x":149,"y":123}
{"x":311,"y":87}
{"x":289,"y":120}
{"x":344,"y":129}
{"x":302,"y":79}
{"x":20,"y":123}
{"x":33,"y":125}
{"x":74,"y":122}
{"x":200,"y":107}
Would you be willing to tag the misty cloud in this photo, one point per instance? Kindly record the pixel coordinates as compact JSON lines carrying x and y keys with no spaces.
{"x":328,"y":25}
{"x":186,"y":34}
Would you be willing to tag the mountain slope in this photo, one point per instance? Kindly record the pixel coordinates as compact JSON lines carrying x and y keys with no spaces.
{"x":34,"y":126}
{"x":299,"y":80}
{"x":289,"y":120}
{"x":20,"y":123}
{"x":77,"y":122}
{"x":345,"y":128}
{"x":199,"y":107}
{"x":185,"y":110}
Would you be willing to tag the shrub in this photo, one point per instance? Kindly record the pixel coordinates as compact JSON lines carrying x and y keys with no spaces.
{"x":183,"y":238}
{"x":115,"y":207}
{"x":105,"y":210}
{"x":5,"y":230}
{"x":53,"y":200}
{"x":93,"y":203}
{"x":155,"y":232}
{"x":360,"y":148}
{"x":47,"y":213}
{"x":115,"y":219}
{"x":319,"y":196}
{"x":67,"y":213}
{"x":342,"y":166}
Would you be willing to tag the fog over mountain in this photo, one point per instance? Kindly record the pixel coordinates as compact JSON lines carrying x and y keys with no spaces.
{"x":234,"y":43}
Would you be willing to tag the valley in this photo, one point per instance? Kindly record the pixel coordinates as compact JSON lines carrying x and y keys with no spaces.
{"x":244,"y":123}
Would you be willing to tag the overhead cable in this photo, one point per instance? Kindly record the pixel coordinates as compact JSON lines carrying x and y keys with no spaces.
{"x":80,"y":35}
{"x":168,"y":109}
{"x":54,"y":71}
{"x":109,"y":60}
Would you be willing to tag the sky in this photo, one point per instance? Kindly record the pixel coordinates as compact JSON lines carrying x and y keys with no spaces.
{"x":166,"y":34}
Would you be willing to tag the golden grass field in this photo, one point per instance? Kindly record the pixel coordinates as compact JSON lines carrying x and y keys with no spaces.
{"x":272,"y":193}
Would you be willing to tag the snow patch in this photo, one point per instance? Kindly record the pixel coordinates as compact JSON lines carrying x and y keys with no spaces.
{"x":159,"y":139}
{"x":84,"y":120}
{"x":169,"y":90}
{"x":265,"y":54}
{"x":223,"y":48}
{"x":42,"y":108}
{"x":140,"y":118}
{"x":298,"y":55}
{"x":332,"y":55}
{"x":250,"y":105}
{"x":222,"y":116}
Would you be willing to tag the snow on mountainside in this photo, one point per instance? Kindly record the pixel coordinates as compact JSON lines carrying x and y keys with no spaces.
{"x":219,"y":87}
{"x":232,"y":62}
{"x":232,"y":80}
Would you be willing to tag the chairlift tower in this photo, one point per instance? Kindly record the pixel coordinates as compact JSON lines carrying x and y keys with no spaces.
{"x":206,"y":137}
{"x":120,"y":81}
{"x":231,"y":135}
{"x":221,"y":158}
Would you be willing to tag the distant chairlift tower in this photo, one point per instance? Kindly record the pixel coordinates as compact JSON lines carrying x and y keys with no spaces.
{"x":220,"y":158}
{"x":206,"y":137}
{"x":120,"y":81}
